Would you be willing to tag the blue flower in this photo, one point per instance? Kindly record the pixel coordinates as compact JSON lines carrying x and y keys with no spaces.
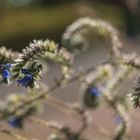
{"x":25,"y":81}
{"x":6,"y":73}
{"x":15,"y":122}
{"x":91,"y":97}
{"x":94,"y":91}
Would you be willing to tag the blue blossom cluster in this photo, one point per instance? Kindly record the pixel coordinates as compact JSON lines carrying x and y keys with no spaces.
{"x":26,"y":79}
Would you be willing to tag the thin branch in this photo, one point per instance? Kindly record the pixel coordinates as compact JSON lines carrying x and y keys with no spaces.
{"x":51,"y":89}
{"x":13,"y":134}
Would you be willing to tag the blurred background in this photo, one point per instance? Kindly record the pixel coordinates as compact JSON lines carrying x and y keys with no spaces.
{"x":21,"y":21}
{"x":24,"y":20}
